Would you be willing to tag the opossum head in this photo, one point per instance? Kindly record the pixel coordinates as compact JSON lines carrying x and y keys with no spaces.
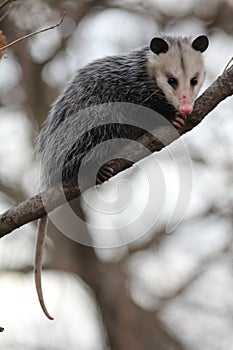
{"x":176,"y":64}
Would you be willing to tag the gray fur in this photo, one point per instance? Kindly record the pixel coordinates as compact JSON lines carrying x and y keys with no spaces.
{"x":111,"y":79}
{"x":83,"y":115}
{"x":70,"y":130}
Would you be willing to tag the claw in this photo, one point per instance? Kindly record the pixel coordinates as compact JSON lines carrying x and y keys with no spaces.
{"x":104,"y":174}
{"x":179,"y":121}
{"x":177,"y":125}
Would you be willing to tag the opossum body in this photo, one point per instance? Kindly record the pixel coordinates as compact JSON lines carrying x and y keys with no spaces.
{"x":164,"y":77}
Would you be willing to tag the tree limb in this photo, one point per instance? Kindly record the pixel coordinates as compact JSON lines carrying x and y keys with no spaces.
{"x":4,"y":3}
{"x":33,"y":208}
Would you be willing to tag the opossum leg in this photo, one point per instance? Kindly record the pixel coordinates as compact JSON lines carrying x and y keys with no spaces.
{"x":104,"y":174}
{"x":41,"y":232}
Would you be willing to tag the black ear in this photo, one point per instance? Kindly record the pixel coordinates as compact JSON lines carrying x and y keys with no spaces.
{"x":200,"y":43}
{"x":158,"y":45}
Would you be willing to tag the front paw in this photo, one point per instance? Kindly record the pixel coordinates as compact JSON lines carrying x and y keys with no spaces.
{"x":179,"y":121}
{"x":104,"y":174}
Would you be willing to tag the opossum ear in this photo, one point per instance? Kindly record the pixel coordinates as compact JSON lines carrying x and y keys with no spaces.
{"x":158,"y":45}
{"x":200,"y":43}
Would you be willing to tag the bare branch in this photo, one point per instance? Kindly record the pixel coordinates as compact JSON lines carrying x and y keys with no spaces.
{"x":33,"y":208}
{"x":229,"y":63}
{"x":7,"y":12}
{"x":32,"y":34}
{"x":5,"y":3}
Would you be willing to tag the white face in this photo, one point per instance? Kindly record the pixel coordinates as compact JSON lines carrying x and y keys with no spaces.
{"x":179,"y":73}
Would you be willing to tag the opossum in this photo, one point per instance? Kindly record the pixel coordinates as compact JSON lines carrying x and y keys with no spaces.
{"x":165,"y":76}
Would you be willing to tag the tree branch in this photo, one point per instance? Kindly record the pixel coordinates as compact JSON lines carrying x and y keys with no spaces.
{"x":4,"y":3}
{"x":33,"y":208}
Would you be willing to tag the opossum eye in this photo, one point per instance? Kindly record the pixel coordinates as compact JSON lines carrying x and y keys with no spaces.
{"x":193,"y":81}
{"x":173,"y":82}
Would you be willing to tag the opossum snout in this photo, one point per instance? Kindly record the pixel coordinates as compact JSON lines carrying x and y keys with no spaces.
{"x":185,"y":107}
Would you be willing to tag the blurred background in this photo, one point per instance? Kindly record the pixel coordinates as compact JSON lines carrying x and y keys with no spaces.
{"x":162,"y":291}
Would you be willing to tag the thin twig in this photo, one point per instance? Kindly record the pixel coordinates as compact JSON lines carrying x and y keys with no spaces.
{"x":6,"y":13}
{"x":5,"y":3}
{"x":34,"y":33}
{"x":228,"y":64}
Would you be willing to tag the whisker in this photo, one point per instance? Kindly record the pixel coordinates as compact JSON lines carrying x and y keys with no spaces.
{"x":147,"y":98}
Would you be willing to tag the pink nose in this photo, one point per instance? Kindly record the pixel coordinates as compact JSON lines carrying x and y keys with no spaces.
{"x":186,"y":109}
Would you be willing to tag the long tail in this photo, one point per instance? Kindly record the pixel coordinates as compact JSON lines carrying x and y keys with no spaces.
{"x":41,"y":232}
